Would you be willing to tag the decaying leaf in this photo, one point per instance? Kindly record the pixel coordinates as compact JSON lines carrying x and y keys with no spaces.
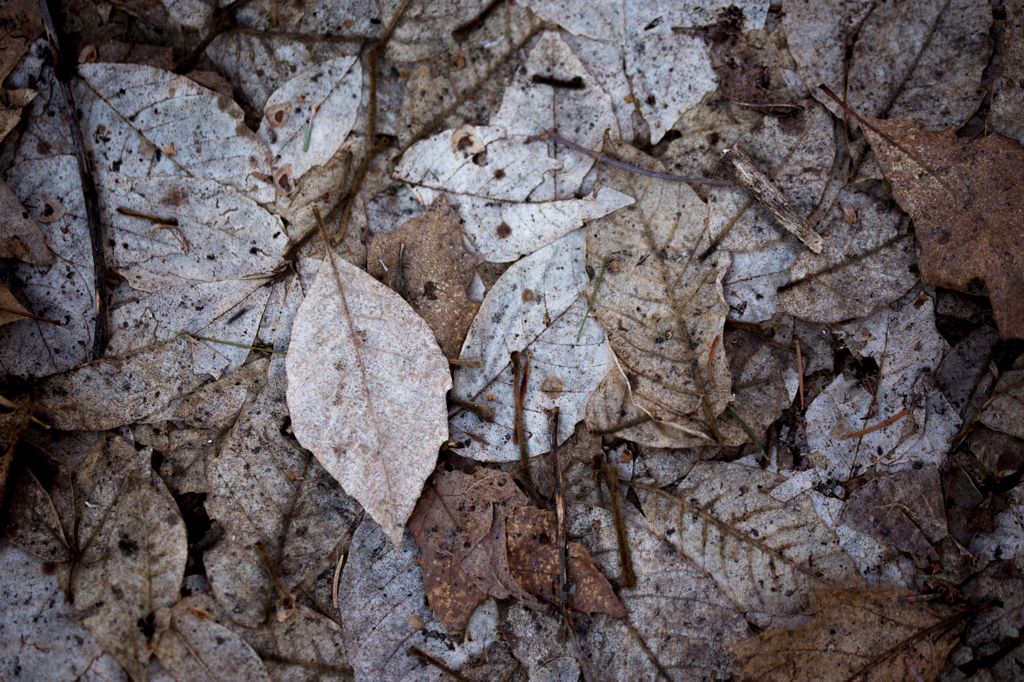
{"x":862,"y":634}
{"x":386,"y":613}
{"x":20,"y":235}
{"x":11,"y":309}
{"x":675,"y":609}
{"x":536,"y":640}
{"x":1005,"y":410}
{"x":424,"y":261}
{"x":905,"y":509}
{"x":269,"y":495}
{"x":906,"y":348}
{"x":534,"y":307}
{"x":459,"y":526}
{"x":533,"y":559}
{"x":12,"y":426}
{"x":21,"y":22}
{"x":194,"y":647}
{"x":765,"y":555}
{"x":1006,"y":539}
{"x":1008,"y":97}
{"x":661,"y":305}
{"x":366,"y":391}
{"x":962,"y":195}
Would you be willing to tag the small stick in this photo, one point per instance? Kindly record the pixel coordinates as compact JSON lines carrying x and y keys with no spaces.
{"x":590,"y":305}
{"x":711,"y":355}
{"x":430,"y":660}
{"x":145,"y":216}
{"x":479,"y":409}
{"x":924,"y":597}
{"x":519,"y":430}
{"x":604,"y":158}
{"x":401,"y":270}
{"x":611,"y":477}
{"x":749,"y":176}
{"x":749,"y":431}
{"x":232,"y":343}
{"x":888,"y":421}
{"x":337,"y":575}
{"x":964,"y":432}
{"x":800,"y":372}
{"x":309,"y":126}
{"x":184,"y":242}
{"x":556,"y":470}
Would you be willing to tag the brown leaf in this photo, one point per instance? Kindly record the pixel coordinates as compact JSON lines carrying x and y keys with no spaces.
{"x":459,"y":526}
{"x":10,"y":309}
{"x":1005,"y":410}
{"x":863,"y":634}
{"x":20,"y":235}
{"x":11,"y":427}
{"x":906,"y":509}
{"x":20,"y":23}
{"x":533,"y":559}
{"x":434,"y":273}
{"x":965,"y":198}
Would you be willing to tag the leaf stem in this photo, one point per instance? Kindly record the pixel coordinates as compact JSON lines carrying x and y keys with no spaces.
{"x":309,"y":126}
{"x":590,"y":305}
{"x":890,"y":420}
{"x":232,"y":343}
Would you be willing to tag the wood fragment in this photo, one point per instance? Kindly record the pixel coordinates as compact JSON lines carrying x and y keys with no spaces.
{"x":748,"y":175}
{"x":711,"y":356}
{"x":337,"y":575}
{"x":611,"y":477}
{"x":800,"y":372}
{"x":479,"y":409}
{"x":519,"y":430}
{"x":888,"y":421}
{"x":556,"y":470}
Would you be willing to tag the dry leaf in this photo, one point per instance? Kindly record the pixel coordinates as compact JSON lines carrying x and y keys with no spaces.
{"x":459,"y":526}
{"x":366,"y":391}
{"x":921,"y":61}
{"x":21,"y":23}
{"x":992,"y":632}
{"x":20,"y":236}
{"x":1005,"y":409}
{"x":425,"y":261}
{"x":906,"y":509}
{"x":195,"y":647}
{"x":765,"y":555}
{"x":1006,"y":539}
{"x":961,"y":195}
{"x":10,"y":309}
{"x":533,"y":558}
{"x":862,"y":634}
{"x":12,"y":426}
{"x":264,"y":490}
{"x":536,"y":640}
{"x":382,"y":589}
{"x":1008,"y":97}
{"x":660,"y":304}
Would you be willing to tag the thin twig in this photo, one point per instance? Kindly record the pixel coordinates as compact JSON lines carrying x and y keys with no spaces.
{"x":519,"y":430}
{"x":749,"y":431}
{"x":479,"y":409}
{"x":711,"y":356}
{"x":888,"y":421}
{"x":604,"y":158}
{"x":556,"y":471}
{"x":800,"y":372}
{"x":145,"y":216}
{"x":964,"y":432}
{"x":646,"y":649}
{"x":232,"y":343}
{"x":337,"y":575}
{"x":611,"y":477}
{"x":430,"y":660}
{"x":184,"y":242}
{"x":401,"y":271}
{"x":590,"y":305}
{"x":97,"y":235}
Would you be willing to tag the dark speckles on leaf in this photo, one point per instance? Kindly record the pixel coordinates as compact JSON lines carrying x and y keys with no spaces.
{"x":503,"y":230}
{"x":127,"y":547}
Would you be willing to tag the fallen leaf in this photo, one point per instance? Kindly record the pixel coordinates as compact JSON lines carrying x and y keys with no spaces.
{"x":857,"y":633}
{"x":660,"y":304}
{"x":382,"y":588}
{"x":536,"y":640}
{"x":1005,"y":409}
{"x":265,"y":491}
{"x":863,"y":266}
{"x":906,"y":348}
{"x":675,"y":609}
{"x":533,"y":559}
{"x":920,"y":62}
{"x":1008,"y":97}
{"x":425,"y":261}
{"x":1006,"y":539}
{"x":723,"y":518}
{"x":961,"y":370}
{"x":197,"y":648}
{"x":905,"y":509}
{"x":366,"y":391}
{"x":989,"y":632}
{"x":10,"y":309}
{"x":12,"y":426}
{"x":21,"y":237}
{"x":22,"y":23}
{"x":459,"y":527}
{"x":334,"y":88}
{"x":957,"y":191}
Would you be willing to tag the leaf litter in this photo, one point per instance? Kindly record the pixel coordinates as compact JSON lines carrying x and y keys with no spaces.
{"x":893,"y":469}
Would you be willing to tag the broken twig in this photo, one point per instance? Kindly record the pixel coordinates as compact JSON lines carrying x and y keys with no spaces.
{"x":611,"y":477}
{"x":800,"y":372}
{"x":890,"y":420}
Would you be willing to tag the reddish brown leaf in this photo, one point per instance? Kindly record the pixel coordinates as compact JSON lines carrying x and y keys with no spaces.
{"x":533,"y":558}
{"x":459,"y":526}
{"x":436,"y":270}
{"x":965,"y":197}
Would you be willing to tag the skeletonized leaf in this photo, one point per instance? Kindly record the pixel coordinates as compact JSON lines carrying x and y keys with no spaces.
{"x":264,"y":490}
{"x":334,"y":87}
{"x":194,"y":647}
{"x":675,"y":608}
{"x":502,"y":231}
{"x":764,"y":554}
{"x":445,"y":161}
{"x":864,"y":265}
{"x":536,"y":306}
{"x":366,"y":390}
{"x":862,"y":634}
{"x":907,"y":348}
{"x":661,"y":305}
{"x":206,"y":130}
{"x":921,"y":61}
{"x":385,"y":613}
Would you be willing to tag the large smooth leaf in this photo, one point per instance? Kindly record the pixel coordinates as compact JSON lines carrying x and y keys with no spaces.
{"x":366,"y":390}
